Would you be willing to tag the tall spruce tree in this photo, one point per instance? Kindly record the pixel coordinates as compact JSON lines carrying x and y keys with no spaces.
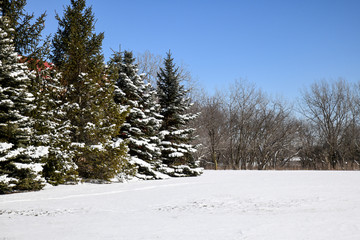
{"x":90,"y":107}
{"x":176,"y":136}
{"x":19,"y":160}
{"x":142,"y":124}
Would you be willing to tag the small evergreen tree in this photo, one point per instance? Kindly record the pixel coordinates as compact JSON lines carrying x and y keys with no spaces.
{"x":19,"y":161}
{"x":143,"y":123}
{"x":90,"y":107}
{"x":176,"y":136}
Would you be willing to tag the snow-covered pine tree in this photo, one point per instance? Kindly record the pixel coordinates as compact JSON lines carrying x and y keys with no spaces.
{"x":20,"y":167}
{"x":143,"y":122}
{"x":176,"y":136}
{"x":90,"y":107}
{"x":151,"y":109}
{"x":51,"y":126}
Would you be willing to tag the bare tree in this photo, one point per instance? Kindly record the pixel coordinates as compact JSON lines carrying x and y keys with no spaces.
{"x":211,"y":129}
{"x":328,"y":108}
{"x":310,"y":152}
{"x":352,"y":133}
{"x":242,"y":105}
{"x":149,"y":64}
{"x":260,"y":132}
{"x":275,"y":135}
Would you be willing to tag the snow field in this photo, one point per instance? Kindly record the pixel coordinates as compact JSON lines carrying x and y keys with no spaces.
{"x":216,"y":205}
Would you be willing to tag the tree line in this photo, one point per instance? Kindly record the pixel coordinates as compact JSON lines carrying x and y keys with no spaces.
{"x":246,"y":129}
{"x":74,"y":118}
{"x":243,"y":128}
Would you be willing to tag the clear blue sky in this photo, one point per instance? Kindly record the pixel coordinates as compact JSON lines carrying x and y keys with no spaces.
{"x":280,"y":45}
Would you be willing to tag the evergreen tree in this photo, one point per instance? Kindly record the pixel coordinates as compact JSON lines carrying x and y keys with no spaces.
{"x":19,"y":161}
{"x":176,"y":136}
{"x":76,"y":48}
{"x":90,"y":107}
{"x":52,"y":128}
{"x":27,"y":30}
{"x":143,"y":123}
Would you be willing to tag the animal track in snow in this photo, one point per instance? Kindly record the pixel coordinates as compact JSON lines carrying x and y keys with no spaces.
{"x":40,"y":212}
{"x":234,"y":205}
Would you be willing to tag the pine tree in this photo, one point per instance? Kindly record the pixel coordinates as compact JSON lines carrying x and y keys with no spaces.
{"x":143,"y":123}
{"x":52,"y":128}
{"x":76,"y":48}
{"x":19,"y":161}
{"x":90,"y":107}
{"x":27,"y":34}
{"x":176,"y":136}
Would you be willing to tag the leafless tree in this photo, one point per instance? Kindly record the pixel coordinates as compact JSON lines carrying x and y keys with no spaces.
{"x":241,"y":107}
{"x":149,"y":65}
{"x":211,"y":129}
{"x":310,"y":152}
{"x":276,"y":134}
{"x":352,"y":133}
{"x":260,"y":132}
{"x":327,"y":106}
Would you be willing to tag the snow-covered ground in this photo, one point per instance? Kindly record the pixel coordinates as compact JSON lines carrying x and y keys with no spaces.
{"x":217,"y":205}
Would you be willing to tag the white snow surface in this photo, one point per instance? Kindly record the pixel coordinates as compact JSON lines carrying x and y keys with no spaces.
{"x":217,"y":205}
